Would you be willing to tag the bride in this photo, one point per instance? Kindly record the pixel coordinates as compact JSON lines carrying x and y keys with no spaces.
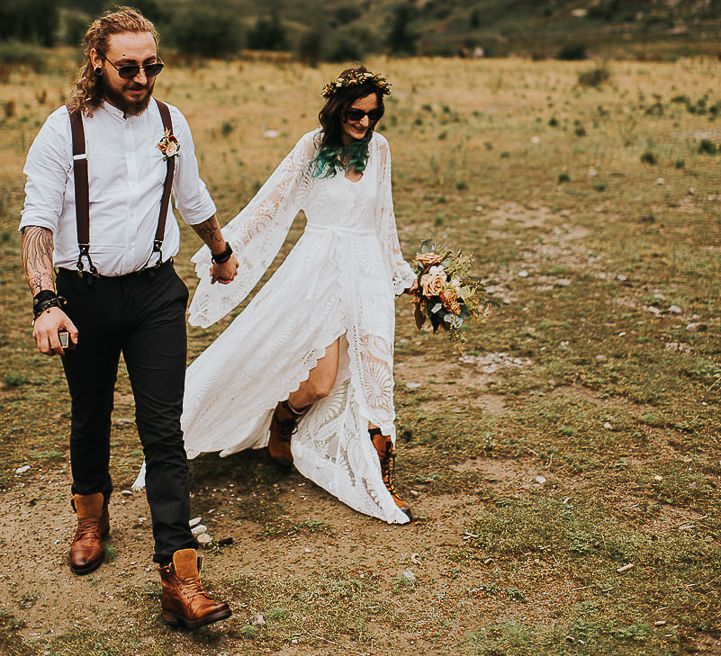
{"x":307,"y":368}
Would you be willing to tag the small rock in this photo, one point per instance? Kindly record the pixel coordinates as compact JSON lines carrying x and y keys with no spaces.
{"x":607,"y":425}
{"x":660,"y":182}
{"x":675,"y":309}
{"x":23,"y":469}
{"x":199,"y":529}
{"x":204,"y":539}
{"x":625,"y":568}
{"x":523,"y":274}
{"x":592,"y":173}
{"x":653,"y":310}
{"x":660,"y":623}
{"x":541,"y":480}
{"x":535,"y":140}
{"x":409,"y":576}
{"x":127,"y":493}
{"x":658,"y":478}
{"x":415,"y":559}
{"x":271,"y":134}
{"x":195,"y":521}
{"x":308,"y":550}
{"x":413,"y":385}
{"x":257,"y":620}
{"x":696,"y":327}
{"x":415,"y":493}
{"x":601,"y":358}
{"x":691,"y":191}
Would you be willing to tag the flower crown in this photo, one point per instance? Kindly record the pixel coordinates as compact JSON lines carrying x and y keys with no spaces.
{"x":355,"y":79}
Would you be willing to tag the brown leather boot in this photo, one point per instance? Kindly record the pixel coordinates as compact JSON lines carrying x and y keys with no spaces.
{"x":86,"y":550}
{"x":384,"y":448}
{"x":282,"y":426}
{"x":184,"y":601}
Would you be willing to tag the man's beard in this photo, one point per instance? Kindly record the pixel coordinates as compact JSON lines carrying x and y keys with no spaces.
{"x":129,"y":108}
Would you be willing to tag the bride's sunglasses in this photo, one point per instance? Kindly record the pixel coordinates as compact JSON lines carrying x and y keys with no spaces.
{"x":358,"y":114}
{"x":131,"y":70}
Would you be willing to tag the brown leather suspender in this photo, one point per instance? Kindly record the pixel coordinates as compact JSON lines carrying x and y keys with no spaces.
{"x":168,"y":185}
{"x":82,"y":197}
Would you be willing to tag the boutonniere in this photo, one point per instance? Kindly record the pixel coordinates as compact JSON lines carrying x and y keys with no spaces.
{"x":169,"y":145}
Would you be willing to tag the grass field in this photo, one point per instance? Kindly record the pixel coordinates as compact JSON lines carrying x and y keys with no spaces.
{"x":565,"y":469}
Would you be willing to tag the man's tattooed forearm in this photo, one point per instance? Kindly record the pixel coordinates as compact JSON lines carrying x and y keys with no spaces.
{"x":209,"y":232}
{"x":37,"y":257}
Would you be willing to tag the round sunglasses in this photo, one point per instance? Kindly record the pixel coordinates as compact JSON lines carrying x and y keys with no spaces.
{"x":358,"y":114}
{"x":131,"y":70}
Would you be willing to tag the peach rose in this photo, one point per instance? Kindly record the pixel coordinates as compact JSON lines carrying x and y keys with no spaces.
{"x":428,"y":259}
{"x":450,"y":301}
{"x":433,"y":284}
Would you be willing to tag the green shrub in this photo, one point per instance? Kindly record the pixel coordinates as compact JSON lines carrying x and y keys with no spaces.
{"x":23,"y":55}
{"x":351,"y":43}
{"x":572,"y":52}
{"x":594,"y":77}
{"x":649,"y":158}
{"x":206,"y":31}
{"x":268,"y":34}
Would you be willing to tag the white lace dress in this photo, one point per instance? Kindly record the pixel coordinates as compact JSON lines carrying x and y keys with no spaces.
{"x":338,"y":281}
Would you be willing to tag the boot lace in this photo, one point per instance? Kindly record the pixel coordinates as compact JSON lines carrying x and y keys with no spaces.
{"x":87,"y":528}
{"x":192,"y":588}
{"x":388,"y":466}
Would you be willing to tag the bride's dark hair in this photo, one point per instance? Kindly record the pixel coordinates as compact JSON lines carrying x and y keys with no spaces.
{"x":332,"y":154}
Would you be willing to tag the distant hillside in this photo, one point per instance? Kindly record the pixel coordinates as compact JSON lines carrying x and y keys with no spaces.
{"x":541,"y":28}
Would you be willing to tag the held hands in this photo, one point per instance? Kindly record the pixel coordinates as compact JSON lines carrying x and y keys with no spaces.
{"x":225,"y":272}
{"x":413,"y":288}
{"x":46,"y":329}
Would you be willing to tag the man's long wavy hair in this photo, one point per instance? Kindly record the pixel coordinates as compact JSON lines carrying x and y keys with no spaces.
{"x":331,"y":151}
{"x":87,"y":92}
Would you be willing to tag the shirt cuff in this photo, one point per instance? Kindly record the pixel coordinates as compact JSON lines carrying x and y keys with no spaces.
{"x":198,"y":214}
{"x":36,"y":222}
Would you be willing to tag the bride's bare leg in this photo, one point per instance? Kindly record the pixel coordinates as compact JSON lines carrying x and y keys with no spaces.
{"x":320,"y":381}
{"x":319,"y":384}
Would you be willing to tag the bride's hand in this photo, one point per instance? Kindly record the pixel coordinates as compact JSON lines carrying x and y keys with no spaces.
{"x":413,"y":288}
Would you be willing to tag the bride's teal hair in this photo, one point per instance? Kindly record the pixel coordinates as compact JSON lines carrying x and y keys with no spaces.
{"x":329,"y":160}
{"x":332,"y":155}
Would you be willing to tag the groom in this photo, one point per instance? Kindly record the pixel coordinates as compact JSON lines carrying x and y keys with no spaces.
{"x":100,"y":174}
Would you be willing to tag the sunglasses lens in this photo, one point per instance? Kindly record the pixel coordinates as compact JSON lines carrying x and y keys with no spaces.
{"x":356,"y":114}
{"x":128,"y":72}
{"x":374,"y":115}
{"x":153,"y":69}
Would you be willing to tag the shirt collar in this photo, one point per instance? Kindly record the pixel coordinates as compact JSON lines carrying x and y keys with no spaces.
{"x":118,"y":114}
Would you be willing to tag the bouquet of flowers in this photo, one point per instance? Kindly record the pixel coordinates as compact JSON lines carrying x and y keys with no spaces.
{"x":445,"y":294}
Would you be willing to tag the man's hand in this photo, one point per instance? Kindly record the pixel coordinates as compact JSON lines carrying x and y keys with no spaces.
{"x":224,"y":273}
{"x":46,"y":329}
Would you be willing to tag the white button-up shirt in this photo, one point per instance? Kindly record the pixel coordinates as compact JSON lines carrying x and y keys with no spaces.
{"x":126,"y":172}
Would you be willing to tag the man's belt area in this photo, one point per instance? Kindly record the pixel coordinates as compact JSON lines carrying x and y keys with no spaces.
{"x":145,"y":272}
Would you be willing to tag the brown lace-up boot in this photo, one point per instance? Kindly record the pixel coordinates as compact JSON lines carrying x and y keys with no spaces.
{"x":86,"y":550}
{"x":184,"y":601}
{"x":282,"y":426}
{"x":384,"y":448}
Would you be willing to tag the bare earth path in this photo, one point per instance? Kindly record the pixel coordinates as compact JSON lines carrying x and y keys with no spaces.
{"x":565,"y":469}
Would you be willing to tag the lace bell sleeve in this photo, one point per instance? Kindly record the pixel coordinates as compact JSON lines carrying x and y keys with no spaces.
{"x":255,"y":234}
{"x":401,"y":272}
